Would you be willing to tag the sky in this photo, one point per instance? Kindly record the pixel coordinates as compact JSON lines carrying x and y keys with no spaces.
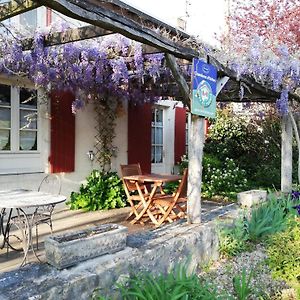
{"x":205,"y":17}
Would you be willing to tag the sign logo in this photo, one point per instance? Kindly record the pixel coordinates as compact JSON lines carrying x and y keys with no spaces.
{"x":204,"y":94}
{"x":204,"y":86}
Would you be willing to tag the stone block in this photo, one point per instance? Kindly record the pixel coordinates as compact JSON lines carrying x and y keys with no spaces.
{"x":251,"y":198}
{"x":68,"y":249}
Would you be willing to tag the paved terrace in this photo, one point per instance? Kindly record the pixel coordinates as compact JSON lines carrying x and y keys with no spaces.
{"x":66,"y":220}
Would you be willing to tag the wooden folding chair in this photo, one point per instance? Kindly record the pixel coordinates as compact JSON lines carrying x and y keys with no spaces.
{"x":171,"y":207}
{"x":131,"y":189}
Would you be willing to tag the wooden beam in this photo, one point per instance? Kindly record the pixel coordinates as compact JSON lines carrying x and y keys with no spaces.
{"x":99,"y":16}
{"x":122,"y":8}
{"x":16,"y":7}
{"x":180,"y":80}
{"x":249,"y":81}
{"x":68,"y":36}
{"x":286,"y":154}
{"x":78,"y":34}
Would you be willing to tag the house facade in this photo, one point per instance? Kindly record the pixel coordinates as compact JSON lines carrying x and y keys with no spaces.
{"x":39,"y":133}
{"x":42,"y":135}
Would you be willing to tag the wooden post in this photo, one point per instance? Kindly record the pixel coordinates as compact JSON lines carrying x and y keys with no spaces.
{"x":196,"y":143}
{"x":286,"y":154}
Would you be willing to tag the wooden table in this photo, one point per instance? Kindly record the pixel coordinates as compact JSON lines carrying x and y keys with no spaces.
{"x":157,"y":180}
{"x":19,"y":200}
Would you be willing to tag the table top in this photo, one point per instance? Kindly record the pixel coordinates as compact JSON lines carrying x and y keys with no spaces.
{"x":153,"y":178}
{"x":26,"y":198}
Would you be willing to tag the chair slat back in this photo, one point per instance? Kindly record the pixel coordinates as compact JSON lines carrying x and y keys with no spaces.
{"x":182,"y":189}
{"x":128,"y":170}
{"x":50,"y":184}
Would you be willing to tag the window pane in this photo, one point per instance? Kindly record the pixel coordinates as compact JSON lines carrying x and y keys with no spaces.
{"x":153,"y":154}
{"x":4,"y":117}
{"x":159,"y":117}
{"x":28,"y":98}
{"x":4,"y":95}
{"x":159,"y":136}
{"x":4,"y":139}
{"x":28,"y":119}
{"x":158,"y":154}
{"x":28,"y":140}
{"x":152,"y":135}
{"x":153,"y":116}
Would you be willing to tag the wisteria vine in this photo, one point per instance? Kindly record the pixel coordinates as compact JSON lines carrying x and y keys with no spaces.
{"x":112,"y":65}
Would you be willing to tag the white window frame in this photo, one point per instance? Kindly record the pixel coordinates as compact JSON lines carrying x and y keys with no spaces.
{"x":16,"y":161}
{"x":15,"y":130}
{"x":154,"y":125}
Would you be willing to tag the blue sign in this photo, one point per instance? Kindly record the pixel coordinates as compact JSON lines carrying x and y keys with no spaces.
{"x":204,"y":87}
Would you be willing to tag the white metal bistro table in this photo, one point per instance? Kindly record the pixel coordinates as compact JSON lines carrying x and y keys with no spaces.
{"x":19,"y":200}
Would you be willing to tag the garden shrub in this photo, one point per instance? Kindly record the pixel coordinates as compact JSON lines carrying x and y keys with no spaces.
{"x":222,"y":180}
{"x":283,"y":249}
{"x":218,"y":178}
{"x":253,"y":142}
{"x":103,"y":190}
{"x":227,"y":136}
{"x":266,"y":219}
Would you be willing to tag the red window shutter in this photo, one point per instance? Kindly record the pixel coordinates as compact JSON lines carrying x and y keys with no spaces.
{"x":206,"y":126}
{"x":139,"y":135}
{"x":179,"y":144}
{"x":62,"y":149}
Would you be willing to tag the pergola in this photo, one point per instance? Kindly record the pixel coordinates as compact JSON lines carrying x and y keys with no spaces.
{"x":113,"y":16}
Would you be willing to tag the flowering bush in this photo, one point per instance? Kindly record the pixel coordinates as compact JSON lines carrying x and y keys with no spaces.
{"x":102,"y":191}
{"x":218,"y":178}
{"x":224,"y":180}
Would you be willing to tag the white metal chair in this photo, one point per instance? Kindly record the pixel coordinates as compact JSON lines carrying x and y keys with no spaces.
{"x":50,"y":184}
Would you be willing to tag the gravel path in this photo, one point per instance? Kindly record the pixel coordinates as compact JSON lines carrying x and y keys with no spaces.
{"x":262,"y":285}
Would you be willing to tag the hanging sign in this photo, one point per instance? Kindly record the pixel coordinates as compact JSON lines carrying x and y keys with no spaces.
{"x":204,"y":86}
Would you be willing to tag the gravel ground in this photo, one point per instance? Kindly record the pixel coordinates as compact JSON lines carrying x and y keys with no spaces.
{"x":262,"y":285}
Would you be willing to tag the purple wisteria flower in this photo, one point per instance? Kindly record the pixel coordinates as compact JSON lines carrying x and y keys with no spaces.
{"x":282,"y":103}
{"x":77,"y":105}
{"x":283,"y":51}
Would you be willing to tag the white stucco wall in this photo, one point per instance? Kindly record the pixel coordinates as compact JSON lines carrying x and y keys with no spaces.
{"x":85,"y":123}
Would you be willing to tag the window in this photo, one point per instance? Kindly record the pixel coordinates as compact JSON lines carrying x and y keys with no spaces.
{"x":18,"y":119}
{"x":5,"y":117}
{"x":157,"y":136}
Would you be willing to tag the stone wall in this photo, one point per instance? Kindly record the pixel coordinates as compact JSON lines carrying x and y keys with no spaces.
{"x":154,"y":251}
